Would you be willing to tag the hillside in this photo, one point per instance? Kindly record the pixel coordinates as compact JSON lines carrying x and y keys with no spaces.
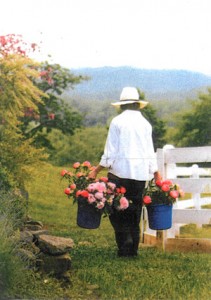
{"x":107,"y":82}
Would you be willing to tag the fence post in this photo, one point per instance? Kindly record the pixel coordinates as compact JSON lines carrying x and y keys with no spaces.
{"x":160,"y":234}
{"x":196,"y":196}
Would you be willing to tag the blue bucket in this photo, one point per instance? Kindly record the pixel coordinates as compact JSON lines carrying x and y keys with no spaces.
{"x":87,"y":215}
{"x":159,"y":216}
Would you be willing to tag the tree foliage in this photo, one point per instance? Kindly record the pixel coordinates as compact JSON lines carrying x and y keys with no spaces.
{"x":158,"y":125}
{"x":85,"y":144}
{"x":53,"y":112}
{"x":17,"y":156}
{"x":17,"y":90}
{"x":193,"y":126}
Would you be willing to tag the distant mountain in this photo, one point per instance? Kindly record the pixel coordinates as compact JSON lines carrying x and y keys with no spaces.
{"x":107,"y":83}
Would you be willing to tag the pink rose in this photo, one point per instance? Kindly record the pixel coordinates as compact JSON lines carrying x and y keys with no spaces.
{"x":111,"y":185}
{"x":98,"y":195}
{"x":91,"y":187}
{"x":100,"y":205}
{"x":91,"y":198}
{"x":101,"y":187}
{"x":123,"y":203}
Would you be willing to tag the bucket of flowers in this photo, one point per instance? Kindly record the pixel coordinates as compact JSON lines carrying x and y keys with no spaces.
{"x":94,"y":197}
{"x":159,"y":197}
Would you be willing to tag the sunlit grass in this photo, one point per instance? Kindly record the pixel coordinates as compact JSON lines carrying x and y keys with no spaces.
{"x":97,"y":272}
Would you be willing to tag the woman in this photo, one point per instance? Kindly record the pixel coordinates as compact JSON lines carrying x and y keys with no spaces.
{"x":130,"y":159}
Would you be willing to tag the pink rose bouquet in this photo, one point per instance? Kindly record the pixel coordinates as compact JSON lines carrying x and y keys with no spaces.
{"x":100,"y":193}
{"x":161,"y":192}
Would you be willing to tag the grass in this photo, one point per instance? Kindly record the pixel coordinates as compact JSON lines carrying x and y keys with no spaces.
{"x":97,"y":273}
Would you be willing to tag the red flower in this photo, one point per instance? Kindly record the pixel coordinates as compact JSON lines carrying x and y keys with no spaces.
{"x":63,"y":172}
{"x":76,"y":165}
{"x":174,"y":194}
{"x":78,"y":193}
{"x":118,"y":190}
{"x":73,"y":186}
{"x":158,"y":182}
{"x":168,"y":182}
{"x":67,"y":191}
{"x":165,"y":187}
{"x":104,"y":179}
{"x":79,"y":174}
{"x":84,"y":194}
{"x":122,"y":190}
{"x":51,"y":116}
{"x":147,"y":200}
{"x":86,"y":164}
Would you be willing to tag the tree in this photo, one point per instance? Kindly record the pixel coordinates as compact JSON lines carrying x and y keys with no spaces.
{"x":158,"y":126}
{"x":193,"y":126}
{"x":17,"y":156}
{"x":53,"y":112}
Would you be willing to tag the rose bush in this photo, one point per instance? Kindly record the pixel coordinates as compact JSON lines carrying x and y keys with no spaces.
{"x":161,"y":192}
{"x":100,"y":193}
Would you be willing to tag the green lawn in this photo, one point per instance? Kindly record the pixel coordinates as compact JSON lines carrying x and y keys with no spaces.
{"x":97,"y":273}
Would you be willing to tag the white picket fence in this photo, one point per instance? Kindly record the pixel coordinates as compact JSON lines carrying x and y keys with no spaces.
{"x":191,"y":179}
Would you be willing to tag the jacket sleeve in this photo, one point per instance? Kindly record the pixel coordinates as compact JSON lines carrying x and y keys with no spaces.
{"x":111,"y":147}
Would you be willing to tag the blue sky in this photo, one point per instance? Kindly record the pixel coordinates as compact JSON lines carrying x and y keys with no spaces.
{"x":157,"y":34}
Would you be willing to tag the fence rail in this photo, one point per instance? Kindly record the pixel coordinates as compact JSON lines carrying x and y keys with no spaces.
{"x":187,"y":211}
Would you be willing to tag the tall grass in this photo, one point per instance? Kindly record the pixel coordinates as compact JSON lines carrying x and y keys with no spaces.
{"x":12,"y":212}
{"x":97,"y":272}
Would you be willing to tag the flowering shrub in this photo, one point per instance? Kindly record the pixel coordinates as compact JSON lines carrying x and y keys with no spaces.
{"x":161,"y":192}
{"x":101,"y":193}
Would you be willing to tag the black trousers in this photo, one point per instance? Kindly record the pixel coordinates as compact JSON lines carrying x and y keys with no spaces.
{"x":126,"y":223}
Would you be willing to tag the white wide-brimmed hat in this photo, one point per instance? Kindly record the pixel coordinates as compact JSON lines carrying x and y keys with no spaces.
{"x":130,"y":95}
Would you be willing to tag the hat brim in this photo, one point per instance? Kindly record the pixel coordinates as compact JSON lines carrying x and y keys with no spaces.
{"x":119,"y":103}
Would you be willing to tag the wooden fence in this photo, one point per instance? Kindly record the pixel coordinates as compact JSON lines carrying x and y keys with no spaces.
{"x":193,"y":180}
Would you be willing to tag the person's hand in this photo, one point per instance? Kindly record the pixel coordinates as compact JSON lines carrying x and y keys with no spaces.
{"x":95,"y":171}
{"x":157,"y":176}
{"x":92,"y":174}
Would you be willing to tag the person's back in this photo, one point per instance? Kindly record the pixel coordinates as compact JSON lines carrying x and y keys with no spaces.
{"x":133,"y":145}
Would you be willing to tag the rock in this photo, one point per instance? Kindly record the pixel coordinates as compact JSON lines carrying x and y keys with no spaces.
{"x":54,"y":245}
{"x":32,"y":248}
{"x":26,"y":237}
{"x":37,"y":233}
{"x":32,"y":227}
{"x":31,"y":222}
{"x":26,"y":256}
{"x":57,"y":265}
